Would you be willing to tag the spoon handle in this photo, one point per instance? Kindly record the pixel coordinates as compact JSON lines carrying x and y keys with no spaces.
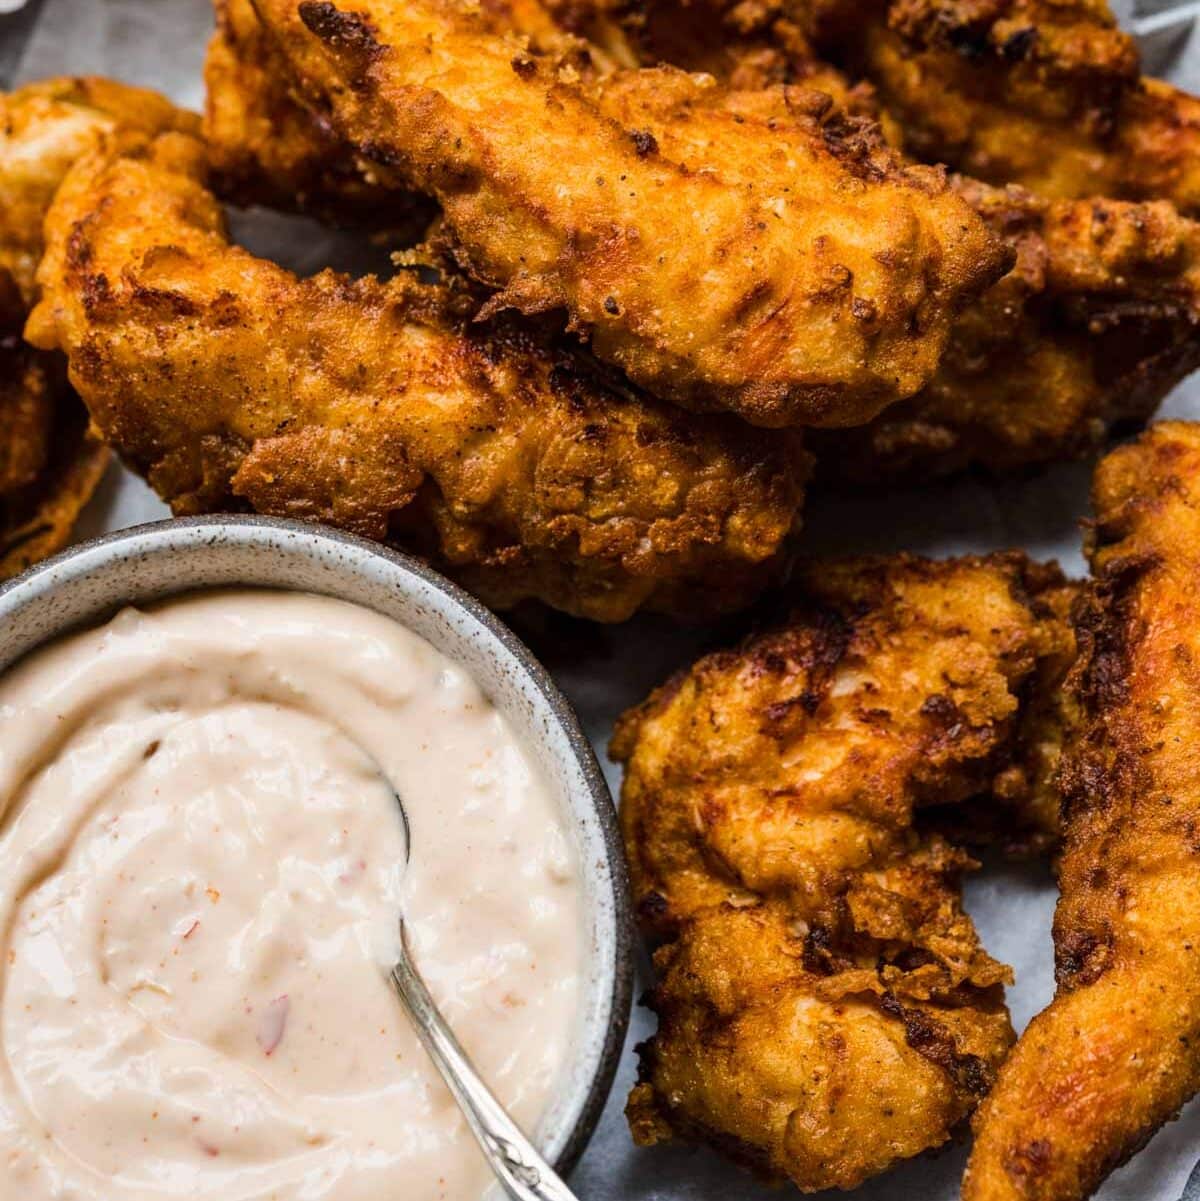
{"x":525,"y":1175}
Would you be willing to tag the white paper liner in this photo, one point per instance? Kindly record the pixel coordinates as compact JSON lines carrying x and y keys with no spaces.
{"x":160,"y":44}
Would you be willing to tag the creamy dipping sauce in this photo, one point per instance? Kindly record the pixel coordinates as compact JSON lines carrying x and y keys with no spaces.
{"x":201,"y":871}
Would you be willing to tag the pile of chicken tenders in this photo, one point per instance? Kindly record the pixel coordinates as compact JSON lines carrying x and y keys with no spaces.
{"x":662,"y":270}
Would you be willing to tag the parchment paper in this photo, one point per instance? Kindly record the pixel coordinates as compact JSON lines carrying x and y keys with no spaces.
{"x":160,"y":44}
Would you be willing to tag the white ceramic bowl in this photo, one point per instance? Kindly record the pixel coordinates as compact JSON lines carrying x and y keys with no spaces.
{"x":90,"y":582}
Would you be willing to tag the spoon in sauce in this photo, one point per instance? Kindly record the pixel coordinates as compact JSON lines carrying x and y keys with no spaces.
{"x":523,"y":1173}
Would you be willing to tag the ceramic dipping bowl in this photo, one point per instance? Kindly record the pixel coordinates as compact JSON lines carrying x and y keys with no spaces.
{"x":89,"y":583}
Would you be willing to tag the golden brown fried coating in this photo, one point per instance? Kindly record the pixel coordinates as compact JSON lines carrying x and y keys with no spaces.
{"x":49,"y":464}
{"x":825,"y":1007}
{"x":39,"y":505}
{"x":1021,"y":810}
{"x":1096,"y":323}
{"x":1068,"y":55}
{"x":820,"y":304}
{"x":1092,"y":327}
{"x":1116,"y":1053}
{"x":746,"y":46}
{"x":376,"y":406}
{"x":44,"y":128}
{"x":26,"y":415}
{"x":822,"y":1080}
{"x":1043,"y":93}
{"x":267,"y":147}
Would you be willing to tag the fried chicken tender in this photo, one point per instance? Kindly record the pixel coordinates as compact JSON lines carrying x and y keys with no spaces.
{"x":819,"y":305}
{"x":49,"y":464}
{"x":44,"y":128}
{"x":825,"y":1008}
{"x":826,"y":1083}
{"x":1043,"y":93}
{"x":1116,"y":1053}
{"x":379,"y":407}
{"x":1096,"y":323}
{"x":265,"y":146}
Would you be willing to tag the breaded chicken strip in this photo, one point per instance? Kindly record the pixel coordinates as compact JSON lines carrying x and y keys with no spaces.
{"x":1096,"y":323}
{"x":819,"y":304}
{"x":825,"y":1008}
{"x":267,"y":147}
{"x":229,"y":382}
{"x":49,"y":465}
{"x":1117,"y":1053}
{"x":1098,"y":320}
{"x":1043,"y":93}
{"x":44,"y":128}
{"x":823,"y":1079}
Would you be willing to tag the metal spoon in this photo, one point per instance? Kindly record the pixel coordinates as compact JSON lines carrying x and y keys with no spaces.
{"x":525,"y":1175}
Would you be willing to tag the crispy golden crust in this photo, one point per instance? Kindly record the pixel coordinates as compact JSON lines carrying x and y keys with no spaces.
{"x":26,"y":415}
{"x":1114,"y":1056}
{"x":1098,"y":320}
{"x":266,"y":148}
{"x":795,"y":1074}
{"x":745,"y":45}
{"x":49,"y":463}
{"x":1021,"y":811}
{"x":44,"y":128}
{"x":1072,"y":45}
{"x":818,"y":305}
{"x":1092,"y":327}
{"x":1043,"y":93}
{"x":1156,"y":150}
{"x":825,"y":1007}
{"x":229,"y":382}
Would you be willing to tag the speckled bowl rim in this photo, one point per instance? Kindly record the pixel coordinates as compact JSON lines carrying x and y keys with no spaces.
{"x":564,"y":1142}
